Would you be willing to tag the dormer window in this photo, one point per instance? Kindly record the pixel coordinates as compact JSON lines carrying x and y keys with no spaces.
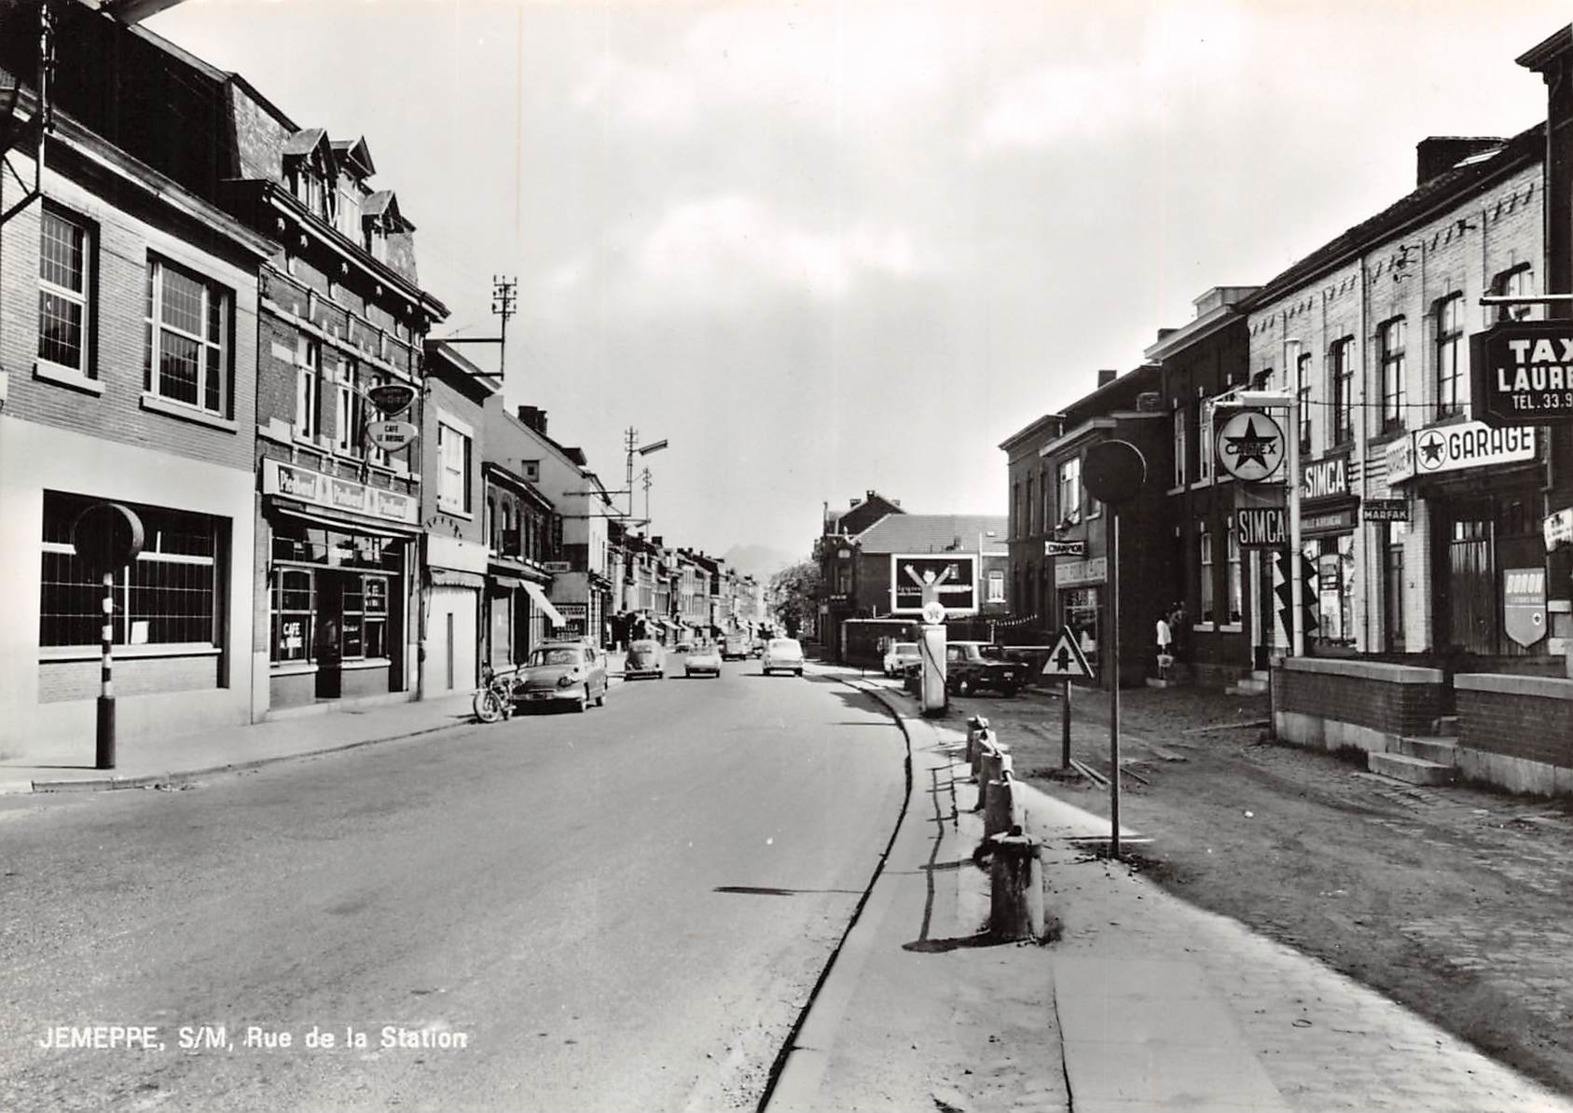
{"x":311,"y":173}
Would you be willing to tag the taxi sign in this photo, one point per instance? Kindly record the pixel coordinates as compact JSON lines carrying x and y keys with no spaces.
{"x":1066,"y":658}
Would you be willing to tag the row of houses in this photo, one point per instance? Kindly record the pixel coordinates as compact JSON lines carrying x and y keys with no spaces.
{"x":1427,"y":535}
{"x":212,"y":315}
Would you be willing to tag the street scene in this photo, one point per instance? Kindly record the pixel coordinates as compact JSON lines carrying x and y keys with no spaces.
{"x":999,"y":558}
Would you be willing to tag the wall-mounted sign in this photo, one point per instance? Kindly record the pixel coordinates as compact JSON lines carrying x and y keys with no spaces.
{"x":1250,"y":446}
{"x":555,"y":565}
{"x":951,"y":578}
{"x":1074,"y":572}
{"x":1385,"y":510}
{"x":1341,"y":520}
{"x":1524,"y":604}
{"x":1323,"y":479}
{"x":390,"y":436}
{"x":335,"y":493}
{"x":1262,"y":527}
{"x":1064,"y":548}
{"x":1558,"y":528}
{"x":391,"y":399}
{"x":1522,"y":373}
{"x":1399,"y":456}
{"x":1470,"y":444}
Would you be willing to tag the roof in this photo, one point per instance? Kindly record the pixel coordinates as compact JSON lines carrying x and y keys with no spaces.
{"x":304,"y":141}
{"x":931,"y":533}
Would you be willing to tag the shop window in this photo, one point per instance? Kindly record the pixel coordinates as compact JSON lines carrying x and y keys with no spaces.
{"x":66,"y":254}
{"x":187,"y":350}
{"x":1392,"y":338}
{"x":376,"y":616}
{"x":293,"y":611}
{"x":167,"y":596}
{"x":1334,"y":560}
{"x":1451,"y":390}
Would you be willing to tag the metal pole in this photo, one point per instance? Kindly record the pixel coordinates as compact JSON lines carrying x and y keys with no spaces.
{"x":1065,"y":727}
{"x":105,"y":737}
{"x":1114,"y":682}
{"x":1296,"y":586}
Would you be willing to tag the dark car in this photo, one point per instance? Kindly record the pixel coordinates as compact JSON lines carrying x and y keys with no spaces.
{"x":968,"y":669}
{"x":645,"y":658}
{"x":735,"y":647}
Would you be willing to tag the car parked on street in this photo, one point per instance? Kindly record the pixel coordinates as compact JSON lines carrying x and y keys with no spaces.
{"x":645,"y":658}
{"x":968,"y":669}
{"x":563,"y":672}
{"x":898,"y":655}
{"x":703,"y":660}
{"x":782,"y":655}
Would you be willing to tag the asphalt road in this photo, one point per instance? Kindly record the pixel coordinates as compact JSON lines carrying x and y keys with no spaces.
{"x":621,"y":909}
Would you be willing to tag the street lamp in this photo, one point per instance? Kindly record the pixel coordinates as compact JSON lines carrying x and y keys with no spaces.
{"x":631,"y":440}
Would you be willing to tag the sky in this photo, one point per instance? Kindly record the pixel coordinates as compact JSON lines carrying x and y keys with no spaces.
{"x":826,"y":247}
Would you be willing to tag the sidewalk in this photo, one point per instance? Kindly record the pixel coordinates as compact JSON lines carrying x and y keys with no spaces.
{"x":1144,"y":1003}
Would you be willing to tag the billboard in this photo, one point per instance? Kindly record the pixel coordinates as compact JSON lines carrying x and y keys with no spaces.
{"x":1522,"y":373}
{"x":950,"y":578}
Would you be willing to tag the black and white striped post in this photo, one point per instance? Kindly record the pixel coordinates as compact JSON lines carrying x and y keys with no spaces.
{"x":107,"y":536}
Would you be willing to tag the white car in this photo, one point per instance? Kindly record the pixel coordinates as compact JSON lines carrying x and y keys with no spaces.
{"x":898,"y":656}
{"x":782,"y":655}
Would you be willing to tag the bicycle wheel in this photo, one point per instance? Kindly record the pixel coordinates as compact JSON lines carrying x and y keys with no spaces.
{"x":489,"y":706}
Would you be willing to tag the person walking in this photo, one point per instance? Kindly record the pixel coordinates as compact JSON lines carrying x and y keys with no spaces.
{"x":1165,"y":637}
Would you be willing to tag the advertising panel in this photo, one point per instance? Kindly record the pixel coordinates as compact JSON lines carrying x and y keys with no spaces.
{"x":1522,"y":373}
{"x":950,"y":578}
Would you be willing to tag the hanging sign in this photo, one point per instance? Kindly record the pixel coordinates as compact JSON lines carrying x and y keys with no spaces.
{"x":391,"y":399}
{"x":1250,"y":446}
{"x":1262,"y":527}
{"x":1385,"y":510}
{"x":1558,"y":529}
{"x":1521,"y":373}
{"x":390,"y":436}
{"x":1470,"y":444}
{"x":1524,"y":604}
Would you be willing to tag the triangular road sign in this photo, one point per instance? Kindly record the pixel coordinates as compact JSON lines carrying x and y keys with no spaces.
{"x":1066,"y":658}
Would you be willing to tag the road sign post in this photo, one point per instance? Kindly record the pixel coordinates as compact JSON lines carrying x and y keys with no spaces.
{"x":1066,"y":660}
{"x":107,"y":536}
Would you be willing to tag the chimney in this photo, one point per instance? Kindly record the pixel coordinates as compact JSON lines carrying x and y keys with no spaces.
{"x":656,"y":541}
{"x":1105,"y":377}
{"x":1437,"y":154}
{"x":533,"y":417}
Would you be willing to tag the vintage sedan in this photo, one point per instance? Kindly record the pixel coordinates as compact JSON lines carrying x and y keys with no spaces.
{"x":782,"y":655}
{"x":645,"y":659}
{"x":572,"y":673}
{"x":703,"y":660}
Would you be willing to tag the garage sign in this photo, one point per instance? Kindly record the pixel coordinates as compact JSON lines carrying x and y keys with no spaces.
{"x":1522,"y":373}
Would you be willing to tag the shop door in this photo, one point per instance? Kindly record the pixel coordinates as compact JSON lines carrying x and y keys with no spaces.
{"x":452,"y":640}
{"x":1471,"y":604}
{"x":330,"y":635}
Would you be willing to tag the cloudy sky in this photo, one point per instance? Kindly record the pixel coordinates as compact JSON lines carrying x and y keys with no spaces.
{"x":825,"y":246}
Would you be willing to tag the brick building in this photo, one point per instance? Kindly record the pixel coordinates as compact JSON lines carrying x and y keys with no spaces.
{"x":128,"y":343}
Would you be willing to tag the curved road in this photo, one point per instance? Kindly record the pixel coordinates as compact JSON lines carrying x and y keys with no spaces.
{"x":616,"y":910}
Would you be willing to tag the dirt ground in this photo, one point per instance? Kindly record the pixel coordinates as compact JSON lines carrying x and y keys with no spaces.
{"x":1455,"y":901}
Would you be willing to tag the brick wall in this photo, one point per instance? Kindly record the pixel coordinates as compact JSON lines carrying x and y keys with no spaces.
{"x":1524,"y":717}
{"x":1392,"y":699}
{"x":133,"y":676}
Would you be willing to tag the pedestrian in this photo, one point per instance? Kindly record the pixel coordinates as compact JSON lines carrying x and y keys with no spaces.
{"x":1164,"y":637}
{"x":1180,"y":632}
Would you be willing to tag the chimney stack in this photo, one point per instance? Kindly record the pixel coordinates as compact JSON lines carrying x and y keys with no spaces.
{"x":1437,"y":154}
{"x":533,"y":417}
{"x":1105,"y":377}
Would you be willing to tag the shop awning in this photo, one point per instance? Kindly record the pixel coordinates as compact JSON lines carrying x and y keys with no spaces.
{"x":670,"y":625}
{"x":535,"y":592}
{"x":500,"y":582}
{"x":339,"y":524}
{"x":453,"y":577}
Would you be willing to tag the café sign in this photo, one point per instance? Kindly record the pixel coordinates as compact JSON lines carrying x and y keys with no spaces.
{"x":1521,"y":373}
{"x":330,"y":491}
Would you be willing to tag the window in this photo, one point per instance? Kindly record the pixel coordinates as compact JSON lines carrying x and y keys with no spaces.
{"x":65,"y":281}
{"x":1204,"y":442}
{"x":1450,"y":392}
{"x":1179,"y":447}
{"x":308,"y":388}
{"x":187,"y":349}
{"x":1046,"y":497}
{"x":453,"y":469}
{"x":1232,"y":581}
{"x":167,"y":596}
{"x":1516,"y":283}
{"x":1204,"y":540}
{"x":1069,"y":500}
{"x":350,"y":417}
{"x":996,"y":586}
{"x":293,"y":624}
{"x":1303,"y":373}
{"x":1393,"y":336}
{"x":1393,"y":587}
{"x":375,"y":616}
{"x":1032,"y":507}
{"x":1016,"y":524}
{"x":1341,"y":361}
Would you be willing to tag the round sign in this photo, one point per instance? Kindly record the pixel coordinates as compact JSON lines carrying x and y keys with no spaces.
{"x":1250,"y":446}
{"x":107,"y":536}
{"x":391,"y":398}
{"x":1114,"y":471}
{"x":934,"y":612}
{"x":390,"y":436}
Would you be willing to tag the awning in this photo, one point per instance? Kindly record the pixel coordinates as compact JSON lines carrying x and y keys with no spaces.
{"x":500,"y":582}
{"x":669,"y":624}
{"x":535,"y":592}
{"x":339,"y":524}
{"x":453,"y":577}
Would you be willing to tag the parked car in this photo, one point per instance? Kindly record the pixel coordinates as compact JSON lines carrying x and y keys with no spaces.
{"x":757,"y":648}
{"x":969,"y":669}
{"x":735,"y":647}
{"x":685,"y":644}
{"x":645,"y":658}
{"x":898,"y":655}
{"x":782,"y":655}
{"x":563,"y":672}
{"x":702,"y":660}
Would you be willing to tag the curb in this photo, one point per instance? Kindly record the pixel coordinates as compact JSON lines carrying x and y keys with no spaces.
{"x":149,"y":780}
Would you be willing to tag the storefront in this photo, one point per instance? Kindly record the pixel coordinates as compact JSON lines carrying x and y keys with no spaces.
{"x":340,"y":556}
{"x":1079,"y":587}
{"x":1329,"y":523}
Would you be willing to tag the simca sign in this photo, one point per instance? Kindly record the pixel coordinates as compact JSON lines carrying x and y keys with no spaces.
{"x":1325,"y":479}
{"x":1262,"y":527}
{"x":1522,"y":373}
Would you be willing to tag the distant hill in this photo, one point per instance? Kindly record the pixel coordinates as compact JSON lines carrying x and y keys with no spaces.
{"x":759,"y":561}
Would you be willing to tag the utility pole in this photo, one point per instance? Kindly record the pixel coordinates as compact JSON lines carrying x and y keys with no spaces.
{"x":504,"y":299}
